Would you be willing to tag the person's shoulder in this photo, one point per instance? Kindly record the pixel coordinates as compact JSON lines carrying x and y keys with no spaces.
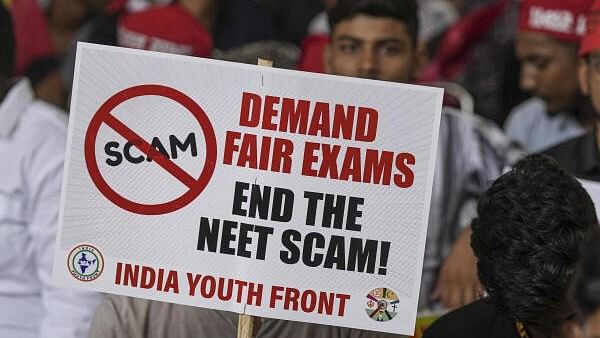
{"x":476,"y":132}
{"x":42,"y":132}
{"x":42,"y":117}
{"x":455,"y":120}
{"x":568,"y":146}
{"x":527,"y":111}
{"x":534,"y":105}
{"x":454,"y":117}
{"x":480,"y":319}
{"x":573,"y":153}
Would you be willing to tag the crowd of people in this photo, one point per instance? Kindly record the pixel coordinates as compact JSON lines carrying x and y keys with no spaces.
{"x":514,"y":258}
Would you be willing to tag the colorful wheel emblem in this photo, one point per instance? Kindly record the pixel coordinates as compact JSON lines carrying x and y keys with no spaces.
{"x":382,"y":304}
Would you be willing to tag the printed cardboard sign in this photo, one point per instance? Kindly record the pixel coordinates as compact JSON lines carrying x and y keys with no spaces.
{"x":257,"y":190}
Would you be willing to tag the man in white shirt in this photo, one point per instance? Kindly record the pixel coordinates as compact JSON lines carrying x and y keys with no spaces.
{"x":32,"y":143}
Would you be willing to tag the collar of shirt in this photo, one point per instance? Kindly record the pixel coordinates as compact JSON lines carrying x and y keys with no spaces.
{"x":19,"y":96}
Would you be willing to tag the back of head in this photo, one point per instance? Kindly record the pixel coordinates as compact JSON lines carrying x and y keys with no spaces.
{"x":402,"y":10}
{"x":527,"y":237}
{"x":586,"y":288}
{"x":7,"y":45}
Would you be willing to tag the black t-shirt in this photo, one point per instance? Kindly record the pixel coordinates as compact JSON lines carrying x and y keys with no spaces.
{"x":579,"y":156}
{"x":480,"y":319}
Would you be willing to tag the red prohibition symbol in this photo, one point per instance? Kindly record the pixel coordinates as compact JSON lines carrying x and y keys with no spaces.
{"x":195,"y":185}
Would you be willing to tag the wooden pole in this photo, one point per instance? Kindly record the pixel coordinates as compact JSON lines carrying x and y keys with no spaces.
{"x":246,"y":322}
{"x":245,"y":326}
{"x":265,"y":63}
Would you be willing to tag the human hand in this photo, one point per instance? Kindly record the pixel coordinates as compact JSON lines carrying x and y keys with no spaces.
{"x":458,"y":283}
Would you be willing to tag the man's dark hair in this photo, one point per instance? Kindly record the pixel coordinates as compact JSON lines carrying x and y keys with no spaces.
{"x":586,"y":288}
{"x":527,"y":237}
{"x":402,"y":10}
{"x":7,"y":44}
{"x":40,"y":68}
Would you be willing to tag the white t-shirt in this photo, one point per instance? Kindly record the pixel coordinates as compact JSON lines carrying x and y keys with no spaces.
{"x":32,"y":146}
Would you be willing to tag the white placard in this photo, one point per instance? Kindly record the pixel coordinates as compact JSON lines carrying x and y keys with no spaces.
{"x":257,"y":190}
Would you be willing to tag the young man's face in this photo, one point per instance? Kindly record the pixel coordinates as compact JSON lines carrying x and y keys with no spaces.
{"x":372,"y":47}
{"x":589,"y":78}
{"x":548,"y":69}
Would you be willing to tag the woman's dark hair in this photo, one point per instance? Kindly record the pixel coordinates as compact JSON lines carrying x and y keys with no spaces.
{"x":586,"y":288}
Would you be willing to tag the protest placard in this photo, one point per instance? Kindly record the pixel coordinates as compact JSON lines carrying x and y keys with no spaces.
{"x":257,"y":190}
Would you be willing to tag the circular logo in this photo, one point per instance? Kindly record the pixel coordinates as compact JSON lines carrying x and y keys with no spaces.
{"x":195,"y":185}
{"x":382,"y":304}
{"x":85,"y":262}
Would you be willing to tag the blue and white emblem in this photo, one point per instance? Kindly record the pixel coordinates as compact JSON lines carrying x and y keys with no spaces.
{"x":85,"y":262}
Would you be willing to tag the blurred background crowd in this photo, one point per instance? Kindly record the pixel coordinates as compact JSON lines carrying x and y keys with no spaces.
{"x":467,"y":42}
{"x":518,"y":79}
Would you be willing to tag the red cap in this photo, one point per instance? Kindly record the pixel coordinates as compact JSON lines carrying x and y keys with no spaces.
{"x":591,"y":39}
{"x":169,"y":29}
{"x":562,"y":19}
{"x":31,"y":33}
